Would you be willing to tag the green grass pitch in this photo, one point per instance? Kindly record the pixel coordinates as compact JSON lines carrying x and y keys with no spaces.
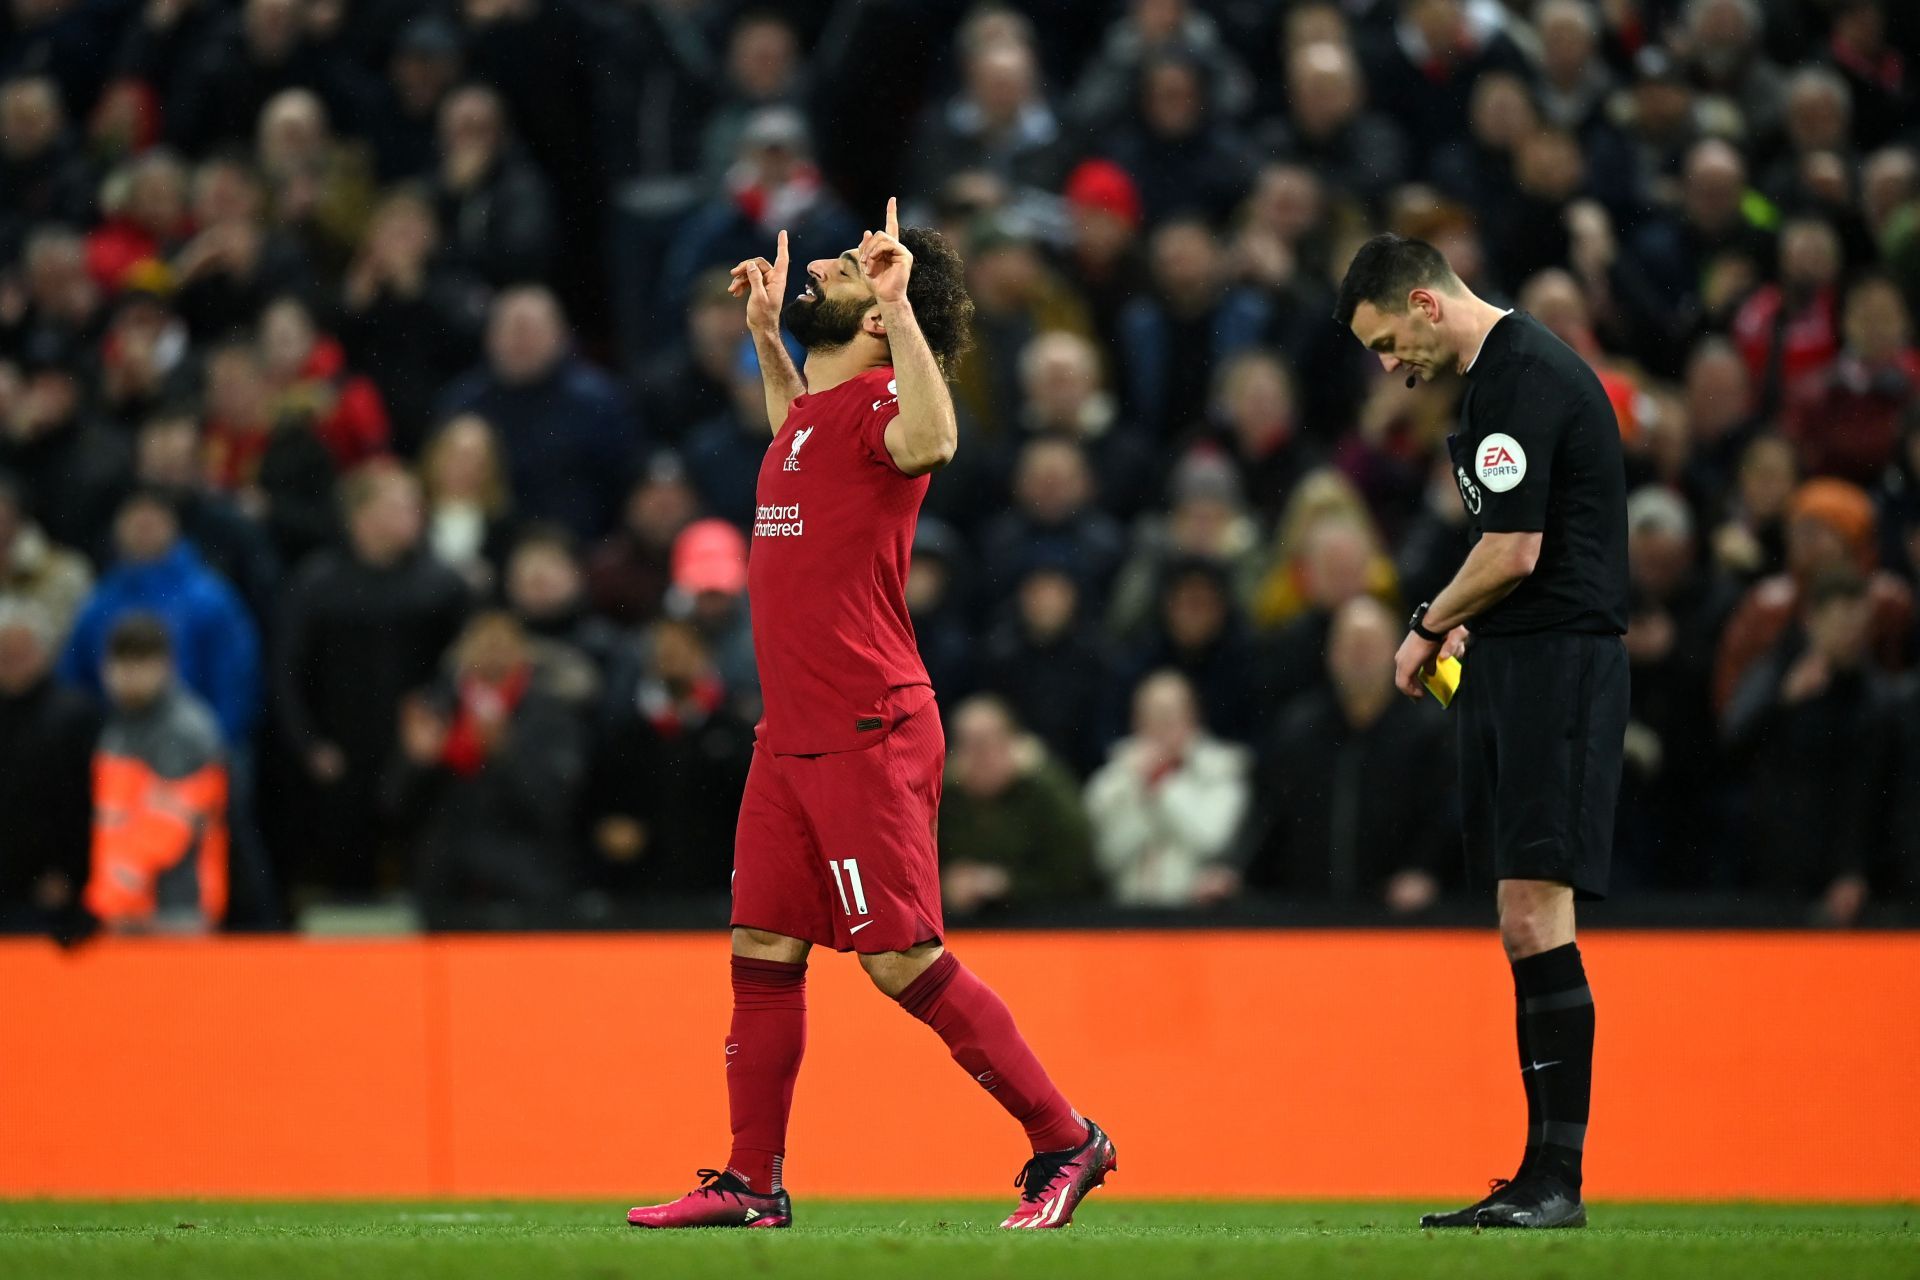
{"x":1113,"y":1240}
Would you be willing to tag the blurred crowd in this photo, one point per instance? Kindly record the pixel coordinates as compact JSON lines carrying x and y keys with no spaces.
{"x":378,"y":438}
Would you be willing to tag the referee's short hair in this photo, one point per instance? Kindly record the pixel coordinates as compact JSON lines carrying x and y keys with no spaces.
{"x":1386,"y":270}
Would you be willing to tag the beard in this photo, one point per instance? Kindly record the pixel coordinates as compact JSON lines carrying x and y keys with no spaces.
{"x":823,"y":324}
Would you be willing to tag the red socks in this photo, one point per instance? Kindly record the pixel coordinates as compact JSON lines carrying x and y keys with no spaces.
{"x":764,"y":1046}
{"x":769,"y":1035}
{"x":980,"y":1034}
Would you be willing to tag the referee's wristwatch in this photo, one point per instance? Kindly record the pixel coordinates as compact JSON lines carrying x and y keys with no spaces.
{"x":1416,"y":624}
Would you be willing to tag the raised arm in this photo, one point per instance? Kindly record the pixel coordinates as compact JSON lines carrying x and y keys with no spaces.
{"x":764,"y":285}
{"x":925,"y":434}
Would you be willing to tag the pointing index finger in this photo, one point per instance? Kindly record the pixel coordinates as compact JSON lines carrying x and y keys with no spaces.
{"x":780,"y":252}
{"x":893,"y":216}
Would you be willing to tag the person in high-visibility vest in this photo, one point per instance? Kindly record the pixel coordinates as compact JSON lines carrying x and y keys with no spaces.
{"x":160,"y":792}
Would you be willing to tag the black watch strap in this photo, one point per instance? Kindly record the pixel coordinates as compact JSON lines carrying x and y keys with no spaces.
{"x":1416,"y":623}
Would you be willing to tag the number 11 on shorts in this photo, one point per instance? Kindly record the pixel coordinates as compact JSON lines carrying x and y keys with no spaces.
{"x":852,"y":881}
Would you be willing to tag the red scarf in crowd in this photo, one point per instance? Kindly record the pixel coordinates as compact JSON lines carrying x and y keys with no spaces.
{"x":481,"y":703}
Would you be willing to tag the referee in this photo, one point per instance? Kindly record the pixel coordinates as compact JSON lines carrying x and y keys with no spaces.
{"x":1543,"y":695}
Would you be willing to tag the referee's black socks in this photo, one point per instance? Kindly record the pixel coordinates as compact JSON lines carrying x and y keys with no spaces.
{"x":1555,"y":1024}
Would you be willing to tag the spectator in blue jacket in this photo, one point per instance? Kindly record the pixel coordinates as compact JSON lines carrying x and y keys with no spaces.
{"x":571,"y":437}
{"x":1172,"y":340}
{"x":216,"y":646}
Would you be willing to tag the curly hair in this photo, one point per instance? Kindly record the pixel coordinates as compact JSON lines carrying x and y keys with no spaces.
{"x":937,"y":290}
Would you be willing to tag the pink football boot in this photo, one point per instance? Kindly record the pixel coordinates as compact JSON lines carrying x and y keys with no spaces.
{"x":721,"y":1200}
{"x":1054,"y":1183}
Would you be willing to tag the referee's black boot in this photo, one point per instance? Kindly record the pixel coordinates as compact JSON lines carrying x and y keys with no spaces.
{"x":1470,"y":1216}
{"x":1534,"y":1200}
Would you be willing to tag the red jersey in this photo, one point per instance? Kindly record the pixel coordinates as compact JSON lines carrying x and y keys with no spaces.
{"x":827,"y":574}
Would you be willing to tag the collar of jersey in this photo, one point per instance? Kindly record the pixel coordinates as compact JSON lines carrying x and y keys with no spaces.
{"x":1484,"y":341}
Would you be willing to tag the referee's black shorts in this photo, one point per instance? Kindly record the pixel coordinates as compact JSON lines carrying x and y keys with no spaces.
{"x":1543,"y":719}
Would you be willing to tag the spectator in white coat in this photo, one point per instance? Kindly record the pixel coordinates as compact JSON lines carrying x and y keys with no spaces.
{"x":1165,"y":807}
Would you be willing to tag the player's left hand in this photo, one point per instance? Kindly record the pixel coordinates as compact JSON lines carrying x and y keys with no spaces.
{"x":1415,"y":660}
{"x":884,"y":261}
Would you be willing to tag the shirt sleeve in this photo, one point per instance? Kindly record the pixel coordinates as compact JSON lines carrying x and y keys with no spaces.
{"x":881,"y":409}
{"x":1518,"y":420}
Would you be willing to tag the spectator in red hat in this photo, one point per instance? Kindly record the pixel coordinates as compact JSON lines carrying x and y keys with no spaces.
{"x":710,"y":591}
{"x":1103,"y":257}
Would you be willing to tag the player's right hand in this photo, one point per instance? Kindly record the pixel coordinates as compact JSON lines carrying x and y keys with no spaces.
{"x":764,"y":285}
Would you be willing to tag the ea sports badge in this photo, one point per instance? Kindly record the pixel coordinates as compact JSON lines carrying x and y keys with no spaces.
{"x":1500,"y":462}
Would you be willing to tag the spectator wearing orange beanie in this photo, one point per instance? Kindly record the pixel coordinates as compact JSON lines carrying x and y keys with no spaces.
{"x":1830,"y":524}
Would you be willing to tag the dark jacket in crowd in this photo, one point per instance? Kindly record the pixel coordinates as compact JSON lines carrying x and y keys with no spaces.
{"x":1340,"y":809}
{"x":1036,"y":831}
{"x":221,"y":89}
{"x":1090,"y":541}
{"x":1224,"y":672}
{"x":412,"y":346}
{"x":571,"y":439}
{"x":1674,"y":769}
{"x":1061,"y":688}
{"x":74,"y":474}
{"x":1293,"y":660}
{"x":723,"y":460}
{"x":501,"y":228}
{"x":679,"y":775}
{"x":1429,"y":97}
{"x":952,"y":138}
{"x":1168,"y":361}
{"x":627,"y":579}
{"x":231,"y":545}
{"x":1820,"y":775}
{"x":1901,"y":875}
{"x":353,"y":640}
{"x":54,"y":186}
{"x":1364,"y":159}
{"x":47,"y":736}
{"x":1205,"y":172}
{"x":218,"y":302}
{"x":549,"y":62}
{"x":502,"y":833}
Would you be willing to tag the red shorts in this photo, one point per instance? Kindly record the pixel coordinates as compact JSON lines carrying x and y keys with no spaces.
{"x":840,"y":849}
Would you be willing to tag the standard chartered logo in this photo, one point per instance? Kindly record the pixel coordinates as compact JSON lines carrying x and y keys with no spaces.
{"x":772,"y":521}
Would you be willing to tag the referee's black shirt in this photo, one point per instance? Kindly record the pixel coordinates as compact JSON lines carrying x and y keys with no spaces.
{"x":1538,"y":451}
